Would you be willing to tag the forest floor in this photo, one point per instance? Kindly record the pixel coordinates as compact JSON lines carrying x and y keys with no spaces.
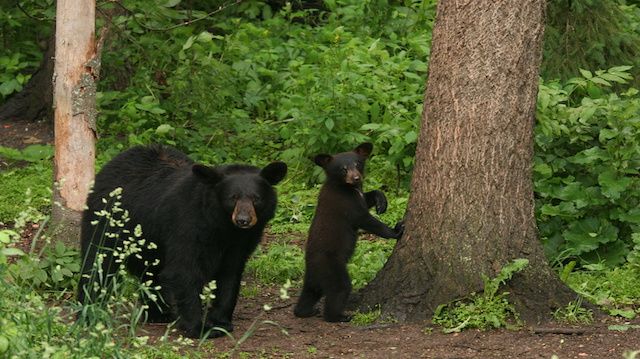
{"x":314,"y":338}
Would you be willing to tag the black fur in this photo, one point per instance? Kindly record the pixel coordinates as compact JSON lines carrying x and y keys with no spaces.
{"x":205,"y":222}
{"x":342,"y":210}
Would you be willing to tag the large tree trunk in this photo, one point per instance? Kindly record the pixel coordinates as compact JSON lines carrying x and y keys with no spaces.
{"x":471,"y":208}
{"x":75,"y":74}
{"x":33,"y":103}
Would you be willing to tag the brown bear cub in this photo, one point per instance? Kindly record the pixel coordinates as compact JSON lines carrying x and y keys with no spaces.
{"x":342,"y":210}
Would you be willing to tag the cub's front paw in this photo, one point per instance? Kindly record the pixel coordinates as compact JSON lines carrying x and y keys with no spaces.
{"x":399,"y":229}
{"x":381,"y":202}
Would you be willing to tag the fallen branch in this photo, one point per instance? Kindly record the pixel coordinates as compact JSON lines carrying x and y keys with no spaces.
{"x":566,"y":331}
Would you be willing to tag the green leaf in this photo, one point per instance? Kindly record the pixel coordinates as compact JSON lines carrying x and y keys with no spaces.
{"x":580,"y":238}
{"x":329,"y":124}
{"x":7,"y":235}
{"x":586,"y":74}
{"x":370,"y":126}
{"x":612,"y":184}
{"x":590,"y":156}
{"x":625,"y":313}
{"x":622,"y":327}
{"x":410,"y":137}
{"x":607,"y":134}
{"x":189,"y":42}
{"x":586,"y":112}
{"x":171,"y":3}
{"x":631,"y":216}
{"x":12,"y":252}
{"x":620,"y":68}
{"x":600,"y":81}
{"x":543,"y":169}
{"x":164,"y":129}
{"x":205,"y":37}
{"x":9,"y":87}
{"x":613,"y":77}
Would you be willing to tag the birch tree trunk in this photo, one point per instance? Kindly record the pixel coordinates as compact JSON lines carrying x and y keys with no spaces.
{"x":76,"y":69}
{"x":471,"y":208}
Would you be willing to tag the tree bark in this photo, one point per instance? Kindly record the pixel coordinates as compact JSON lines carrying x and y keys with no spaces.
{"x":76,"y":71}
{"x":471,"y":208}
{"x":34,"y":102}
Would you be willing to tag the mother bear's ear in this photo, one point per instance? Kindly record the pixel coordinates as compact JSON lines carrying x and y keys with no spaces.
{"x":274,"y":172}
{"x":206,"y":174}
{"x":364,"y":149}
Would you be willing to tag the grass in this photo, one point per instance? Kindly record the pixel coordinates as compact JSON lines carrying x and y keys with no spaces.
{"x":574,"y":313}
{"x":25,"y":190}
{"x":37,"y":320}
{"x":616,"y":290}
{"x":277,"y":263}
{"x":368,"y":259}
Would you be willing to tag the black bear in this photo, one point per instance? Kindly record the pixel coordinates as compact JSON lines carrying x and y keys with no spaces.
{"x":342,"y":210}
{"x":200,"y":223}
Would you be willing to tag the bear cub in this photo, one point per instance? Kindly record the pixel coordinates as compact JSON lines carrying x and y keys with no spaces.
{"x":342,"y":210}
{"x":204,"y":223}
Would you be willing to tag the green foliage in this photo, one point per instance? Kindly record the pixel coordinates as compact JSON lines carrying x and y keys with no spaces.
{"x":366,"y":318}
{"x":56,"y":268}
{"x":22,"y":39}
{"x":7,"y":237}
{"x":617,"y":290}
{"x":34,"y":323}
{"x":230,"y":88}
{"x":574,"y":313}
{"x":586,"y":167}
{"x":11,"y":77}
{"x":31,"y":153}
{"x":296,"y":205}
{"x":368,"y":258}
{"x":277,"y":263}
{"x":26,"y":192}
{"x":483,"y":311}
{"x":590,"y":34}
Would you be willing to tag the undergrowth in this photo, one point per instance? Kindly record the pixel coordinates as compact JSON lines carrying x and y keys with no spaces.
{"x":489,"y":309}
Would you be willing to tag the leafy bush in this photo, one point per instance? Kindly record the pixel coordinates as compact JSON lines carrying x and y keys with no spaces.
{"x":590,"y":34}
{"x":229,"y":88}
{"x":487,"y":310}
{"x":56,"y":269}
{"x":22,"y":38}
{"x":586,"y":167}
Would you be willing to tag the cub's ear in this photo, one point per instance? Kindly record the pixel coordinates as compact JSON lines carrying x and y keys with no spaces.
{"x":364,"y":149}
{"x":322,"y":160}
{"x":206,"y":173}
{"x":274,"y":172}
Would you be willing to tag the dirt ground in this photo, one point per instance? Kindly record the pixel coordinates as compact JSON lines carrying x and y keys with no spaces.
{"x":19,"y":134}
{"x":314,"y":338}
